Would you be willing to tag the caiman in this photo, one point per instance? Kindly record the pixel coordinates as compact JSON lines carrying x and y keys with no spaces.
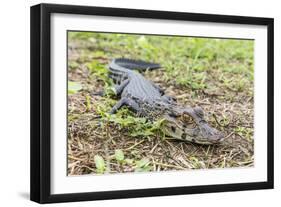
{"x":148,"y":100}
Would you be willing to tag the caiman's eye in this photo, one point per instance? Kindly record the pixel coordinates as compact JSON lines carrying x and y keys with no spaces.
{"x":188,"y":121}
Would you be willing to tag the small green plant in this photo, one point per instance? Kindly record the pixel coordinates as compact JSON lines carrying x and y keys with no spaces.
{"x":98,"y":70}
{"x":119,"y":156}
{"x":100,"y":164}
{"x":244,"y":132}
{"x":125,"y":119}
{"x":143,"y":165}
{"x":136,"y":126}
{"x":73,"y":65}
{"x":73,"y":87}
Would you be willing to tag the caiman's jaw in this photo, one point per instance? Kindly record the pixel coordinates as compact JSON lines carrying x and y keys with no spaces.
{"x":190,"y":125}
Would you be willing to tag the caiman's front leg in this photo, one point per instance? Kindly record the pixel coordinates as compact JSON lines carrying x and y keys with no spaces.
{"x":119,"y":88}
{"x":131,"y":104}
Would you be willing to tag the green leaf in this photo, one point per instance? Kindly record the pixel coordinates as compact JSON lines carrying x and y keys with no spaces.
{"x":129,"y":161}
{"x":73,"y":87}
{"x":145,"y":133}
{"x":100,"y":165}
{"x":110,"y":91}
{"x":98,"y":69}
{"x":119,"y":155}
{"x":73,"y":65}
{"x":142,"y":163}
{"x":143,"y":169}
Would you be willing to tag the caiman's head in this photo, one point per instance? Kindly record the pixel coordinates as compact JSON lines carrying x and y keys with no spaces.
{"x":189,"y":124}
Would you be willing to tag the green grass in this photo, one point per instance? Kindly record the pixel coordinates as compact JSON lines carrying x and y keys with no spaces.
{"x":187,"y":61}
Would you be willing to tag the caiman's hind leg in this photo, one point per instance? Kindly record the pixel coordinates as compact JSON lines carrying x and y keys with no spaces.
{"x":118,"y":89}
{"x":131,"y":104}
{"x":169,"y":99}
{"x":161,"y":91}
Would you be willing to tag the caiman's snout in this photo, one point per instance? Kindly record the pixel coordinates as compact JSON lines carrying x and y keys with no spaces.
{"x":206,"y":133}
{"x":216,"y":137}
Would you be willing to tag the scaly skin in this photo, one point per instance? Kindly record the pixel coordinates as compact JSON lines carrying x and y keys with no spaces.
{"x":148,"y":100}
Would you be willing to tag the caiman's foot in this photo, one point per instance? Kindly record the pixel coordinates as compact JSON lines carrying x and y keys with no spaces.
{"x":131,"y":104}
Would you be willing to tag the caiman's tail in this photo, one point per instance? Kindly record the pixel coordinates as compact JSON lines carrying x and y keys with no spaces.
{"x":136,"y":64}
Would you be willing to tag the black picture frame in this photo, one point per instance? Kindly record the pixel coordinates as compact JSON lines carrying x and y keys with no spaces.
{"x":41,"y":96}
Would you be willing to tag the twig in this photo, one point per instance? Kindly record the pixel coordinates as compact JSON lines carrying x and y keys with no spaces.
{"x":212,"y":94}
{"x":92,"y":169}
{"x":206,"y":153}
{"x":154,"y":147}
{"x":169,"y":165}
{"x":133,"y":146}
{"x":75,"y":158}
{"x":219,"y":122}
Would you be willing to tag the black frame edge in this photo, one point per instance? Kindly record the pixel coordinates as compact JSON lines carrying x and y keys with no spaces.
{"x":270,"y":103}
{"x":40,"y":103}
{"x":40,"y":100}
{"x":156,"y":14}
{"x":125,"y":194}
{"x":35,"y":25}
{"x":45,"y":80}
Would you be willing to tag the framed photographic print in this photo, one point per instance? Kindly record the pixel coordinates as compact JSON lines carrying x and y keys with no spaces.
{"x":132,"y":103}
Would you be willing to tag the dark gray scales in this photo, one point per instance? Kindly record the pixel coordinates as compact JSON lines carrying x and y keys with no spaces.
{"x":135,"y":91}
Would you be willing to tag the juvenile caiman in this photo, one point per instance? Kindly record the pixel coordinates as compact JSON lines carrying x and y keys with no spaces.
{"x":148,"y":100}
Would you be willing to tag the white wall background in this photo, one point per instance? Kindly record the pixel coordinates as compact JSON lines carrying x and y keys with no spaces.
{"x":14,"y":101}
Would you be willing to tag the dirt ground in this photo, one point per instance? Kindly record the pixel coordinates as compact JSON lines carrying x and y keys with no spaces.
{"x":226,"y":108}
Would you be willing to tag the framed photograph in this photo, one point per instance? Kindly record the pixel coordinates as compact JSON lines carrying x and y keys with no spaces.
{"x":133,"y":103}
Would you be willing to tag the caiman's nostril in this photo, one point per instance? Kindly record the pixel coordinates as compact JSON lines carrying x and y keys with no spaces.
{"x":220,"y":137}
